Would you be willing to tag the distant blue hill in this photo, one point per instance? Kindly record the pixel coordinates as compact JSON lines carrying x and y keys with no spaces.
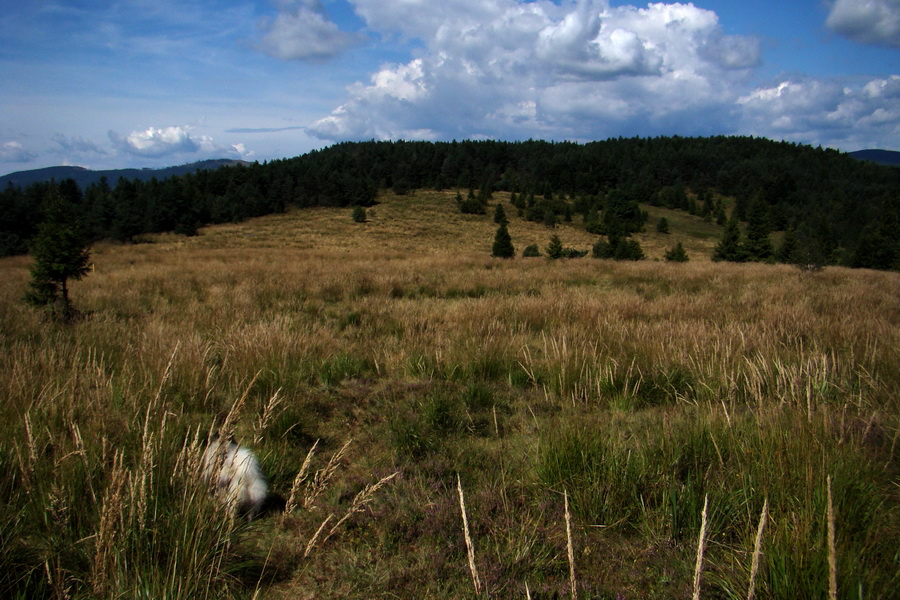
{"x":84,"y":177}
{"x":889,"y":158}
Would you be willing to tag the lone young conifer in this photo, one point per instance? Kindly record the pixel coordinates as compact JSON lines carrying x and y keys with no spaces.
{"x":503,"y":247}
{"x":555,"y":248}
{"x":676,"y":253}
{"x":60,"y":251}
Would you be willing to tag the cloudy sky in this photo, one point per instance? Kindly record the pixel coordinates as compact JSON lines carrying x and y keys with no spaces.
{"x":149,"y":83}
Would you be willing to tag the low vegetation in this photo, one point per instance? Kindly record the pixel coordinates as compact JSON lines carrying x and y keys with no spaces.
{"x":597,"y":422}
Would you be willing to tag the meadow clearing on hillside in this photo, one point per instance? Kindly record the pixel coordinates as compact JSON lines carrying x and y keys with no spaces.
{"x":634,"y":392}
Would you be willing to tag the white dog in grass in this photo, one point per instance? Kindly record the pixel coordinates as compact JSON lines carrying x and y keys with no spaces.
{"x":237,"y":476}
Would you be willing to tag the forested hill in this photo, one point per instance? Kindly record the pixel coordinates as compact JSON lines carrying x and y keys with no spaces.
{"x":848,"y":210}
{"x":890,"y":158}
{"x":85,"y":177}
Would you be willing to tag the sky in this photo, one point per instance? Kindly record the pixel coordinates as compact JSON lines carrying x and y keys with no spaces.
{"x":109,"y":84}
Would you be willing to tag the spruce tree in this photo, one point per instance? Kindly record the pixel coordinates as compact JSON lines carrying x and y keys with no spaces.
{"x":662,"y":226}
{"x":359,"y":214}
{"x":503,"y":247}
{"x":61,"y":254}
{"x":629,"y":249}
{"x":500,"y":215}
{"x":555,"y":249}
{"x":676,"y":254}
{"x":757,"y":246}
{"x":730,"y":247}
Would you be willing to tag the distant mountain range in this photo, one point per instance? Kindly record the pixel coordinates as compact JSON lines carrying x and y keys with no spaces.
{"x":84,"y":177}
{"x":889,"y":158}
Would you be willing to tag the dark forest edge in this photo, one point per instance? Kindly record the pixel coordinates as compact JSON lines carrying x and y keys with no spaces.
{"x":833,"y":208}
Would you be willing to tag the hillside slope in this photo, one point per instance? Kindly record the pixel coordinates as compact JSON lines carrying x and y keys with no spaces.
{"x":838,"y":209}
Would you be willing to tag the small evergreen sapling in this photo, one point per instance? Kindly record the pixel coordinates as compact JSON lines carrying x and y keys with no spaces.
{"x":503,"y":247}
{"x":676,"y":253}
{"x":500,"y":215}
{"x":555,"y":248}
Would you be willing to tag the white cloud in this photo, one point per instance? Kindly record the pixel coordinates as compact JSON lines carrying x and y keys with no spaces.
{"x":516,"y":69}
{"x":242,"y":151}
{"x":827,"y":112}
{"x":302,"y":31}
{"x":77,"y":145}
{"x":157,"y":142}
{"x":15,"y":152}
{"x":867,"y":21}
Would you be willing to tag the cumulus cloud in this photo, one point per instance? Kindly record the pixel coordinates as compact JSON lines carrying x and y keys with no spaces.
{"x":302,"y":31}
{"x":867,"y":21}
{"x":825,"y":112}
{"x":157,"y":142}
{"x":509,"y":68}
{"x":15,"y":152}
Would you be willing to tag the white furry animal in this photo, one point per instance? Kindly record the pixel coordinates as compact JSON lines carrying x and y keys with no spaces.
{"x":237,"y":476}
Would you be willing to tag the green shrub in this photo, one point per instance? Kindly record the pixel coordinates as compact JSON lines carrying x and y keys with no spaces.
{"x":531,"y":251}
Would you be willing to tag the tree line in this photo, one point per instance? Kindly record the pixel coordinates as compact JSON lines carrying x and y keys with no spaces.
{"x":831,"y":206}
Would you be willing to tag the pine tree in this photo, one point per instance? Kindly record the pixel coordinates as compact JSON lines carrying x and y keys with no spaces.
{"x":757,"y":246}
{"x":730,"y":247}
{"x":662,"y":226}
{"x":359,"y":214}
{"x":503,"y":247}
{"x":555,"y":249}
{"x":61,"y":254}
{"x":500,"y":215}
{"x":677,"y":254}
{"x":629,"y":249}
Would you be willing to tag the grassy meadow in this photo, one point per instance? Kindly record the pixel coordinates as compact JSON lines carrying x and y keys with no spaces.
{"x":588,"y":410}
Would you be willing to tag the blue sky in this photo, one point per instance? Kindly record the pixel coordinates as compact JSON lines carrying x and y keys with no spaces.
{"x":149,"y":83}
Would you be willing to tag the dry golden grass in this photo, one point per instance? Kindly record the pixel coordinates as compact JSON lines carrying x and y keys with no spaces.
{"x":316,"y":327}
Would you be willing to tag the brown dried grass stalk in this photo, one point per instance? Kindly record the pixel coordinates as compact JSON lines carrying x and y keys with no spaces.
{"x":570,"y":548}
{"x":832,"y":553}
{"x":104,"y":566}
{"x":360,"y":501}
{"x":291,"y":503}
{"x":270,"y":411}
{"x":470,"y":547}
{"x":701,"y":547}
{"x":757,"y":549}
{"x":312,"y":541}
{"x":323,"y":476}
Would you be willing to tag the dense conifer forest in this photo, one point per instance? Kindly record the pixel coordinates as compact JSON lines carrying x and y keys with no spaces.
{"x":833,"y":209}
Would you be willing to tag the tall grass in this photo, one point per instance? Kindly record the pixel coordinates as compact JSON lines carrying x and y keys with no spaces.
{"x":631,"y":392}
